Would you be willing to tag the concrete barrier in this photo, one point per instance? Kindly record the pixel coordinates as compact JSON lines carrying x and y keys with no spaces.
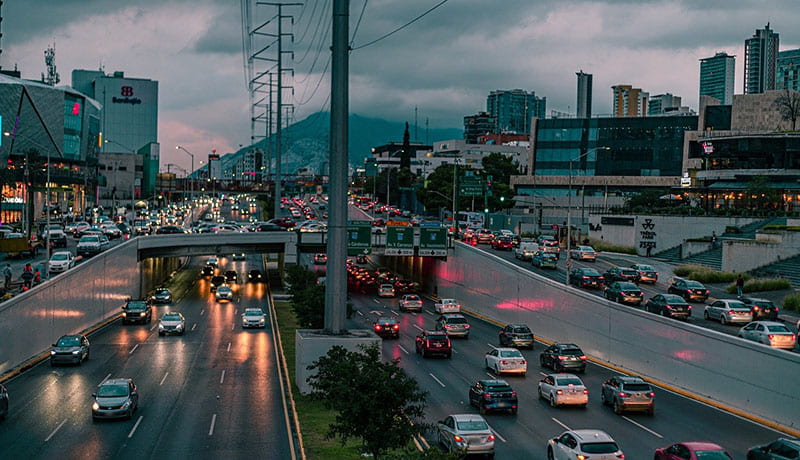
{"x":747,"y":377}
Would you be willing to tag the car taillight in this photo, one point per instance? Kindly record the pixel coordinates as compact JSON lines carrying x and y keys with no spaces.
{"x":586,"y":392}
{"x":466,"y":326}
{"x":377,"y":327}
{"x":620,"y":455}
{"x":622,"y":293}
{"x":562,"y":358}
{"x":730,"y":312}
{"x":755,"y":308}
{"x":448,"y":343}
{"x":689,"y":291}
{"x":651,"y":394}
{"x":490,"y":438}
{"x":771,"y":336}
{"x":487,"y":396}
{"x":396,"y":327}
{"x":513,"y":394}
{"x":585,"y":277}
{"x":559,"y":392}
{"x":504,"y":362}
{"x":583,"y":357}
{"x":622,"y":395}
{"x":669,"y":307}
{"x":524,"y":362}
{"x":581,"y":457}
{"x":457,"y":438}
{"x":427,"y":343}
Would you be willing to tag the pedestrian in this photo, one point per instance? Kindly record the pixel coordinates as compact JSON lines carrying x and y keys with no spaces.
{"x":739,"y":285}
{"x":37,"y":277}
{"x":713,"y":240}
{"x":27,"y":278}
{"x":28,"y":268}
{"x":649,"y":250}
{"x":7,"y":274}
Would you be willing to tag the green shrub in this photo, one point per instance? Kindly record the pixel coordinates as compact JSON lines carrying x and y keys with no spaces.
{"x":684,"y":270}
{"x":600,"y":245}
{"x":706,"y":274}
{"x":792,"y":302}
{"x":764,"y":284}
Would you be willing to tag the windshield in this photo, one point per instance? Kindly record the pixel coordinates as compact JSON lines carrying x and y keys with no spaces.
{"x":711,"y":455}
{"x":645,"y":268}
{"x":599,"y":447}
{"x":568,"y":381}
{"x":628,"y":286}
{"x":456,"y":321}
{"x":571,"y":352}
{"x":89,"y":239}
{"x":224,"y":289}
{"x":171,"y":317}
{"x":162,"y":291}
{"x":112,"y":391}
{"x":590,"y":272}
{"x":60,"y":256}
{"x":412,"y":297}
{"x":778,"y":328}
{"x":498,"y":388}
{"x":472,"y":425}
{"x":253,"y":313}
{"x":136,"y":305}
{"x":694,"y":285}
{"x":637,"y":387}
{"x":522,"y":330}
{"x":736,"y":304}
{"x":68,"y":342}
{"x":764,"y":304}
{"x":510,"y":354}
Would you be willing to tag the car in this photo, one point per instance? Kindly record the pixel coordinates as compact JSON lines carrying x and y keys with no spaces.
{"x":728,"y":311}
{"x":386,"y":326}
{"x":493,"y":395}
{"x":516,"y":335}
{"x":669,"y":305}
{"x":429,"y":343}
{"x":89,"y":245}
{"x":161,"y":296}
{"x":207,"y":270}
{"x":544,"y":259}
{"x":224,"y":292}
{"x":410,"y":302}
{"x":447,"y":306}
{"x":171,"y":323}
{"x":692,"y":450}
{"x":771,"y":333}
{"x":780,"y":449}
{"x":525,"y":250}
{"x":60,"y":261}
{"x":361,"y":259}
{"x":402,"y":285}
{"x":549,"y":243}
{"x":110,"y":230}
{"x":320,"y":259}
{"x":628,"y":393}
{"x":454,"y":324}
{"x":647,"y":274}
{"x":169,"y":230}
{"x":268,"y":227}
{"x":255,"y":276}
{"x":583,"y":253}
{"x":621,"y":274}
{"x":505,"y":360}
{"x":688,"y":289}
{"x":624,"y":292}
{"x":586,"y":277}
{"x":563,"y":390}
{"x":563,"y":356}
{"x":231,"y":276}
{"x":466,"y":434}
{"x":484,"y":236}
{"x":115,"y":398}
{"x":3,"y":402}
{"x":58,"y":239}
{"x":761,"y":308}
{"x":254,"y":317}
{"x":386,"y":290}
{"x":212,"y":261}
{"x":70,"y":349}
{"x":239,"y":256}
{"x":137,"y":311}
{"x":78,"y":228}
{"x":503,"y":242}
{"x":583,"y":444}
{"x":216,"y":281}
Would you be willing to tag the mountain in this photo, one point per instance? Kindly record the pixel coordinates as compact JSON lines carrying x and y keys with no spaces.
{"x":306,"y":142}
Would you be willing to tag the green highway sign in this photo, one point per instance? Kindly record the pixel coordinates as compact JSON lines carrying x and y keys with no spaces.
{"x":471,"y":186}
{"x":399,"y":241}
{"x":359,"y":237}
{"x":432,"y":242}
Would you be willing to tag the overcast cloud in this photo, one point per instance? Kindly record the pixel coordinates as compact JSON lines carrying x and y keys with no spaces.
{"x":445,"y":64}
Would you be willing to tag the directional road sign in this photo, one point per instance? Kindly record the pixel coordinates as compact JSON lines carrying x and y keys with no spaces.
{"x":471,"y":186}
{"x":399,"y":241}
{"x":432,"y":242}
{"x":359,"y":237}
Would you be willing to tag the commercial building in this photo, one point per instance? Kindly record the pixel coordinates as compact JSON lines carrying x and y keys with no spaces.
{"x":512,"y":110}
{"x":717,"y":75}
{"x":629,"y":101}
{"x":788,"y":73}
{"x":760,"y":61}
{"x":667,"y":105}
{"x":478,"y":125}
{"x":584,"y":99}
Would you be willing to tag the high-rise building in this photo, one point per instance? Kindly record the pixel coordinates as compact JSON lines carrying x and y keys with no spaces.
{"x":788,"y":74}
{"x":760,"y":61}
{"x":513,"y":109}
{"x":630,"y":101}
{"x":584,"y":95}
{"x":662,"y":104}
{"x":717,"y":76}
{"x":477,"y":125}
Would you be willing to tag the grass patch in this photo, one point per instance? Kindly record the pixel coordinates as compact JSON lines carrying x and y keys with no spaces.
{"x":764,"y":284}
{"x":600,"y":245}
{"x":792,"y":302}
{"x":707,"y":274}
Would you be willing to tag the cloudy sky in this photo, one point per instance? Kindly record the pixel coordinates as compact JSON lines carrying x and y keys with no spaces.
{"x":444,"y":64}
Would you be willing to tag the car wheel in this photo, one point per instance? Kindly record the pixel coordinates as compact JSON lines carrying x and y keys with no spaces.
{"x":549,"y":453}
{"x":603,"y":398}
{"x":449,"y":355}
{"x":662,"y":313}
{"x":513,"y":411}
{"x":160,"y":334}
{"x":651,"y":411}
{"x":723,"y":320}
{"x":541,"y":361}
{"x":482,"y":409}
{"x":617,"y":407}
{"x":553,"y":400}
{"x":423,"y":353}
{"x":705,"y":316}
{"x":88,"y":352}
{"x":496,"y":370}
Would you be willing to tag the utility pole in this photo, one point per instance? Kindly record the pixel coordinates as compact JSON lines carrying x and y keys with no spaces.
{"x":336,"y":279}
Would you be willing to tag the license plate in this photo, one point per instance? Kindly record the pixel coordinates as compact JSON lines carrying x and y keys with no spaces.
{"x":502,"y":404}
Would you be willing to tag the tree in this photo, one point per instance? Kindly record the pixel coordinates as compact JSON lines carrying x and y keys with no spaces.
{"x":646,"y":199}
{"x":308,"y":298}
{"x":760,"y":194}
{"x":353,"y":383}
{"x":788,"y":105}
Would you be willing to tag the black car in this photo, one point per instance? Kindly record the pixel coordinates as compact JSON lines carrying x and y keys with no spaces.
{"x":621,"y":274}
{"x":169,"y":230}
{"x":624,"y":292}
{"x":70,"y":349}
{"x":563,"y":356}
{"x":688,"y":289}
{"x":762,"y":309}
{"x":516,"y":335}
{"x":387,"y":327}
{"x":217,"y":281}
{"x":361,"y":259}
{"x":231,"y":276}
{"x":669,"y":305}
{"x":207,"y":270}
{"x":3,"y":402}
{"x":269,"y":227}
{"x":430,"y":343}
{"x":586,"y":277}
{"x":161,"y":296}
{"x":255,"y":276}
{"x":780,"y":449}
{"x":492,"y":395}
{"x":137,"y":311}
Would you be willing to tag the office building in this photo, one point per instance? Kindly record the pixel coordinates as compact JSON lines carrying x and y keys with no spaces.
{"x":717,"y":75}
{"x":629,"y":101}
{"x":513,"y":109}
{"x":667,"y":105}
{"x":760,"y":61}
{"x":584,"y":95}
{"x":788,"y":73}
{"x":478,"y":125}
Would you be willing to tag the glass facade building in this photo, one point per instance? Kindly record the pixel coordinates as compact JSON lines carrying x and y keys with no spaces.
{"x":760,"y":61}
{"x":717,"y":77}
{"x":513,"y":110}
{"x":788,"y":70}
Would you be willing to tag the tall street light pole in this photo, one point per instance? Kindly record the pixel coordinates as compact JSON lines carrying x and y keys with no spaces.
{"x":178,"y":147}
{"x":455,"y":215}
{"x":569,"y":203}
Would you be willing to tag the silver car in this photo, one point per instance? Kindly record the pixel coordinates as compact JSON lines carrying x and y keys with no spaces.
{"x":224,"y":292}
{"x":115,"y":398}
{"x":466,"y":433}
{"x":454,"y":324}
{"x":70,"y":349}
{"x":563,"y":389}
{"x":254,"y":317}
{"x":769,"y":333}
{"x":728,"y":311}
{"x":594,"y":444}
{"x":172,"y":323}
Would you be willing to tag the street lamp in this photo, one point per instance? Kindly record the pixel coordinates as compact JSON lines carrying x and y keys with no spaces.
{"x":178,"y":147}
{"x":569,"y":203}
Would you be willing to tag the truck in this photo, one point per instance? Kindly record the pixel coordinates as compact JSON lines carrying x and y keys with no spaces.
{"x":16,"y":245}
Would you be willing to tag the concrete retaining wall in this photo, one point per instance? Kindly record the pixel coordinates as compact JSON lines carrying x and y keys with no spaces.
{"x":743,"y":375}
{"x":768,"y":247}
{"x":689,"y":248}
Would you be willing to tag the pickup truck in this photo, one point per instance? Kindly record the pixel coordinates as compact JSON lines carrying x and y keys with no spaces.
{"x":16,"y":245}
{"x":447,"y":306}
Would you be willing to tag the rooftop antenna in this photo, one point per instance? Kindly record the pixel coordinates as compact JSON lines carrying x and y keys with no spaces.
{"x":52,"y":77}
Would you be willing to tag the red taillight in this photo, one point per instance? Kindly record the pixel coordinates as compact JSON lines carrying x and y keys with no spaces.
{"x":622,"y":395}
{"x":583,"y":358}
{"x":513,"y":394}
{"x":524,"y":362}
{"x":771,"y":336}
{"x":586,"y":392}
{"x":466,"y":326}
{"x":730,"y":312}
{"x":377,"y":327}
{"x":622,"y":293}
{"x":620,"y":455}
{"x":487,"y":396}
{"x":490,"y":438}
{"x":651,"y":394}
{"x":396,"y":327}
{"x":457,"y":438}
{"x":427,"y":343}
{"x":504,"y":362}
{"x":585,"y":277}
{"x":562,"y":358}
{"x":559,"y":392}
{"x":689,"y":291}
{"x":448,"y":343}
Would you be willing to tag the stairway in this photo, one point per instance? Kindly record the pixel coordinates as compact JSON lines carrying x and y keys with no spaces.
{"x":749,"y":231}
{"x":711,"y":258}
{"x":786,"y":268}
{"x":671,"y":255}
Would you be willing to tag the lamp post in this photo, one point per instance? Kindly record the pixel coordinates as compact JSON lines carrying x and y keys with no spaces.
{"x":455,"y":216}
{"x":569,"y":203}
{"x":179,"y":147}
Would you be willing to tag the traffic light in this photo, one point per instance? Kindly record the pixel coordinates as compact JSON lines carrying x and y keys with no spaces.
{"x":489,"y":182}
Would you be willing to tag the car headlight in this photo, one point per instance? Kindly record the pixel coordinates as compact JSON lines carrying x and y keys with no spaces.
{"x":95,"y":406}
{"x":127,"y":403}
{"x":76,"y":352}
{"x":179,"y":327}
{"x":160,"y":327}
{"x":52,"y":352}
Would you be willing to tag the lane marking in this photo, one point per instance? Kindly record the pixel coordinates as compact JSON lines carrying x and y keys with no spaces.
{"x":235,"y":311}
{"x":202,"y":312}
{"x":453,"y":350}
{"x":437,"y":380}
{"x":56,"y":430}
{"x":133,"y":430}
{"x":429,"y":312}
{"x":154,"y":326}
{"x":107,"y":377}
{"x":560,"y":423}
{"x":233,"y":326}
{"x":194,"y":326}
{"x":229,"y":347}
{"x":497,"y":434}
{"x":395,"y":313}
{"x":493,"y":347}
{"x":376,"y":301}
{"x":133,"y":349}
{"x":404,"y":350}
{"x":542,"y":374}
{"x":213,"y":422}
{"x":490,"y":375}
{"x":643,"y":427}
{"x":417,"y":327}
{"x":222,"y":377}
{"x":165,"y":378}
{"x":359,"y":312}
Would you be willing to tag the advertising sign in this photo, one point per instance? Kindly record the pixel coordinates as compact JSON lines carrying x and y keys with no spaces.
{"x":399,"y":241}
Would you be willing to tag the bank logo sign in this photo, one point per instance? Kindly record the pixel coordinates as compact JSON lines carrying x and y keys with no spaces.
{"x":128,"y":98}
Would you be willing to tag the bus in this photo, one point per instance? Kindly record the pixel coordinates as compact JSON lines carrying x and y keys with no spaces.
{"x":470,"y":219}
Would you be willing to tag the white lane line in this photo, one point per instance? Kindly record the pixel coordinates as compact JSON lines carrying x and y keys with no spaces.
{"x":133,"y":430}
{"x":229,"y":347}
{"x":213,"y":422}
{"x":202,"y":312}
{"x":222,"y":377}
{"x":490,"y":375}
{"x":235,"y":310}
{"x":163,"y":379}
{"x":561,"y":423}
{"x":107,"y":377}
{"x":493,"y":347}
{"x":497,"y":434}
{"x":643,"y":427}
{"x":376,"y":301}
{"x":417,"y":327}
{"x":194,"y":326}
{"x":395,"y":313}
{"x":56,"y":430}
{"x":404,"y":350}
{"x":542,"y":374}
{"x":360,"y":314}
{"x":154,"y":326}
{"x":429,"y":312}
{"x":233,"y":326}
{"x":453,"y":350}
{"x":133,"y":349}
{"x":437,"y":380}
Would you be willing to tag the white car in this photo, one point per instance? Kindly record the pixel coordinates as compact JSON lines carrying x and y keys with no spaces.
{"x":563,"y":389}
{"x":410,"y":302}
{"x":254,"y":317}
{"x":386,"y":290}
{"x":526,"y":250}
{"x":583,"y":253}
{"x":506,"y":360}
{"x":447,"y":306}
{"x":769,"y":333}
{"x":593,"y":444}
{"x":61,"y":261}
{"x":224,"y":292}
{"x":728,"y":311}
{"x":172,"y":323}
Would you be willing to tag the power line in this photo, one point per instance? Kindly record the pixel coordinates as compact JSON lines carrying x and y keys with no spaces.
{"x":358,"y":23}
{"x":321,"y":77}
{"x":401,"y":27}
{"x":316,"y":57}
{"x":310,"y":21}
{"x":313,"y":37}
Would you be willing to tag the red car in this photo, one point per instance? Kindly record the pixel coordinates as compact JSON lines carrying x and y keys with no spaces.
{"x":503,"y":242}
{"x":692,"y":451}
